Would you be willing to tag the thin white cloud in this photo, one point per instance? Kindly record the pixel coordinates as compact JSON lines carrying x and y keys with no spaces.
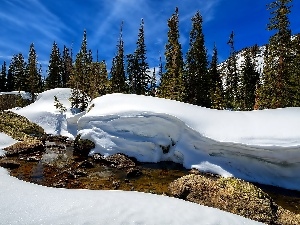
{"x":35,"y":21}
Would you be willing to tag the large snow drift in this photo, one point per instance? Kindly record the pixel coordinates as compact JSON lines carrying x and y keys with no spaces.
{"x":259,"y":146}
{"x":44,"y":113}
{"x":25,"y":203}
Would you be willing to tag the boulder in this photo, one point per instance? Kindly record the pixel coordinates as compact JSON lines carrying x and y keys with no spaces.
{"x":132,"y":173}
{"x":120,"y":161}
{"x":228,"y":194}
{"x":24,"y":147}
{"x":9,"y":164}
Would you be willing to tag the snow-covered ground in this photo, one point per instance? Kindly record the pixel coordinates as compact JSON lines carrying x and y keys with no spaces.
{"x":5,"y":141}
{"x":26,"y":203}
{"x":44,"y":113}
{"x":259,"y":146}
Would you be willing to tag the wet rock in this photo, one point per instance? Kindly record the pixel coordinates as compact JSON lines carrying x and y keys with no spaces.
{"x":24,"y":148}
{"x":9,"y":164}
{"x":116,"y":184}
{"x":33,"y":159}
{"x":132,"y":173}
{"x":77,"y":173}
{"x":86,"y":164}
{"x":120,"y":161}
{"x":57,"y":139}
{"x":195,"y":171}
{"x":98,"y":158}
{"x":228,"y":194}
{"x":82,"y":147}
{"x":59,"y":184}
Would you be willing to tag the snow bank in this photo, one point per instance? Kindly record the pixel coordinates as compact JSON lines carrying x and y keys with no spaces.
{"x":44,"y":113}
{"x":259,"y":146}
{"x":5,"y":141}
{"x":274,"y":127}
{"x":25,"y":203}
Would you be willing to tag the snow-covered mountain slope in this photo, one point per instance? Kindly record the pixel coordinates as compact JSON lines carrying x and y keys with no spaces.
{"x":258,"y":59}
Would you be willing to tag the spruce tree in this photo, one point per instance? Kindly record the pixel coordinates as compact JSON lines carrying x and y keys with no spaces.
{"x":152,"y":85}
{"x":3,"y":77}
{"x":132,"y":73}
{"x":294,"y":81}
{"x":137,"y":66}
{"x":54,"y":79}
{"x":273,"y":92}
{"x":66,"y":67}
{"x":143,"y":67}
{"x":250,"y":78}
{"x":10,"y":80}
{"x":80,"y":81}
{"x":16,"y":76}
{"x":99,"y":76}
{"x":197,"y":79}
{"x":118,"y":78}
{"x":172,"y":85}
{"x":33,"y":74}
{"x":232,"y":94}
{"x":217,"y":93}
{"x":160,"y":76}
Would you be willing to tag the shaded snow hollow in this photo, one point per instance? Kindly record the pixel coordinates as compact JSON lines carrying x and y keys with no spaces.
{"x":260,"y":146}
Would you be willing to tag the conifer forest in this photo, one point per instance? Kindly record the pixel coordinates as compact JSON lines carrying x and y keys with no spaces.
{"x":189,"y":77}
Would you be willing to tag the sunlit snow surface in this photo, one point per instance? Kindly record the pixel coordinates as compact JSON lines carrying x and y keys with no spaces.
{"x":5,"y":141}
{"x":25,"y":203}
{"x":44,"y":113}
{"x":260,"y":146}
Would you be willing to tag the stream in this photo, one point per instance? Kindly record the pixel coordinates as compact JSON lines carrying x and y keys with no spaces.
{"x":58,"y":167}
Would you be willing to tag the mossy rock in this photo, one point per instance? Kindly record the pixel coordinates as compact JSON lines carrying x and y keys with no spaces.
{"x":19,"y":127}
{"x":228,"y":194}
{"x":24,"y":147}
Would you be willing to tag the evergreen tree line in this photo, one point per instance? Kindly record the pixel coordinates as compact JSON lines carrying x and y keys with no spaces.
{"x":192,"y":79}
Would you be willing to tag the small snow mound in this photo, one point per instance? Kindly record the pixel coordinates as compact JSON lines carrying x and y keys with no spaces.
{"x":44,"y":113}
{"x":5,"y":141}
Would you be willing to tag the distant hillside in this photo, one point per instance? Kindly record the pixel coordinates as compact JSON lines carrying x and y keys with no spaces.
{"x":258,"y":57}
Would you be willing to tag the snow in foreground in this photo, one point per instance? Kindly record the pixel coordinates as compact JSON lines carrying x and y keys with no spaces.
{"x":5,"y":141}
{"x":259,"y":146}
{"x":26,"y":203}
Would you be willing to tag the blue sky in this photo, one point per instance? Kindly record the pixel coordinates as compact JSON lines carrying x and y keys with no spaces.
{"x":45,"y":21}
